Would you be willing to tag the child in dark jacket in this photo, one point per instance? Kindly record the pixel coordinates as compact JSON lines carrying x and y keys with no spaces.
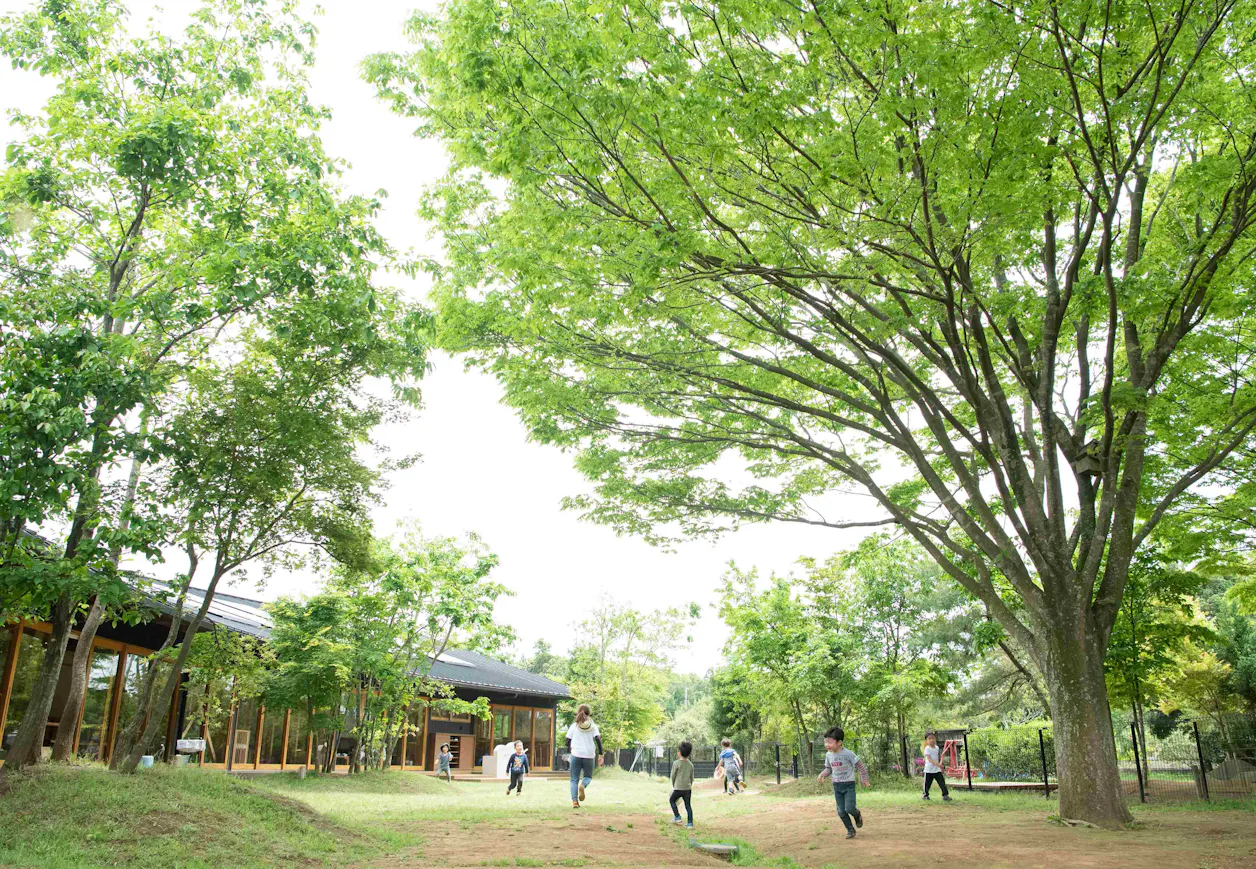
{"x":517,"y":767}
{"x":682,"y":783}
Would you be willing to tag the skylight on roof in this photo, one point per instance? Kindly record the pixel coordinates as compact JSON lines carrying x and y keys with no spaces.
{"x":445,"y":658}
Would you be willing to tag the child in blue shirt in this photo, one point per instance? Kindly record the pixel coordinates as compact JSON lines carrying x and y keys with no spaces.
{"x":730,"y":762}
{"x":517,"y":767}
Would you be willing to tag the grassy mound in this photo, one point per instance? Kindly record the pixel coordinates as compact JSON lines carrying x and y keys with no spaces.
{"x":393,"y":782}
{"x":63,"y":816}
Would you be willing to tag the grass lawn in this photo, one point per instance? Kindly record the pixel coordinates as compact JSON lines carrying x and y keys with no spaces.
{"x":88,"y":817}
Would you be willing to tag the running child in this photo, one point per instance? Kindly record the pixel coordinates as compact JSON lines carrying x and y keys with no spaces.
{"x":730,"y":762}
{"x":841,"y":764}
{"x":933,"y":766}
{"x":443,"y":760}
{"x":517,"y":767}
{"x":682,"y":783}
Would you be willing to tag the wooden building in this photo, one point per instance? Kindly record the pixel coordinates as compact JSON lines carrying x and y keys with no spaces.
{"x":243,"y":734}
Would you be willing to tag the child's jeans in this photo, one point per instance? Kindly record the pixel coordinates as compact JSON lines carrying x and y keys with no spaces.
{"x":931,"y":777}
{"x":682,"y":795}
{"x":516,"y":780}
{"x":844,"y":793}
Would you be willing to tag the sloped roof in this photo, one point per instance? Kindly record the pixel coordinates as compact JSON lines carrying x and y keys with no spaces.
{"x":467,"y":669}
{"x":461,"y":668}
{"x":240,"y":614}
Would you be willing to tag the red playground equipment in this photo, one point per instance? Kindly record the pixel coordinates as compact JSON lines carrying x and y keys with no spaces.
{"x":951,"y":763}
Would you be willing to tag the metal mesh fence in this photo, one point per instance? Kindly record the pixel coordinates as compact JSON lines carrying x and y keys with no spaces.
{"x":1207,"y":759}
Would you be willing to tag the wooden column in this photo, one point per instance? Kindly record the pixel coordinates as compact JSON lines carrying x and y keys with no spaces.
{"x":10,"y":667}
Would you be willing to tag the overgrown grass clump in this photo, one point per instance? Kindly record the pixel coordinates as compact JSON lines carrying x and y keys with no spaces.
{"x":75,"y":816}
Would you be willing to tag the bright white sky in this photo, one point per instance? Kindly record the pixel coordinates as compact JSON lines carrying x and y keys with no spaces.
{"x":479,"y":470}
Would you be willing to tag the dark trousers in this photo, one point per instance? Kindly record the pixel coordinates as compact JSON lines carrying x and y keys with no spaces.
{"x":844,"y":793}
{"x":678,"y":796}
{"x":931,"y":777}
{"x":516,"y":780}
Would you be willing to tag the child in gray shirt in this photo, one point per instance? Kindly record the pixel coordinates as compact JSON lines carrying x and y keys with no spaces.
{"x":841,"y":764}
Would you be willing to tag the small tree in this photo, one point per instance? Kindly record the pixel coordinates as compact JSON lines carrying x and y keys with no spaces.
{"x":358,"y":656}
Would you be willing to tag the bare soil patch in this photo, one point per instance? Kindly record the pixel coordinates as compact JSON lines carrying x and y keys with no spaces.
{"x":809,"y":832}
{"x":581,"y":840}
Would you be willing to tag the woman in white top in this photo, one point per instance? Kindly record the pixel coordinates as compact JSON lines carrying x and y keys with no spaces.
{"x":584,"y":741}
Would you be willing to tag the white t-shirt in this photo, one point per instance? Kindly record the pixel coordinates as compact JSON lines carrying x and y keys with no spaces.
{"x":933,"y":756}
{"x":583,"y":742}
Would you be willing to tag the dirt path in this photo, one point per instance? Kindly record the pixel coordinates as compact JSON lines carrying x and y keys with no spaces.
{"x":581,"y":840}
{"x":975,"y":838}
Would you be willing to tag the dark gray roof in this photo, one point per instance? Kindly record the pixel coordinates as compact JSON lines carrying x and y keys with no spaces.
{"x":467,"y":669}
{"x":240,"y":614}
{"x":458,"y":667}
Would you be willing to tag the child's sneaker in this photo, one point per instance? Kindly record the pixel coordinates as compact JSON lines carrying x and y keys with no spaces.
{"x":574,"y":804}
{"x":858,"y":820}
{"x":946,"y":798}
{"x":678,"y":822}
{"x":688,"y":826}
{"x":850,"y":834}
{"x":926,"y":796}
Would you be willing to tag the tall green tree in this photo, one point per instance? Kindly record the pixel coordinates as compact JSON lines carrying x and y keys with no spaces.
{"x":172,"y":193}
{"x":988,"y":263}
{"x":620,"y":665}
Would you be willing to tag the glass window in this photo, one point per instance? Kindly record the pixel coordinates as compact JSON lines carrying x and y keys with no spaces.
{"x":298,"y":737}
{"x":483,"y":738}
{"x":523,"y":726}
{"x":414,"y":744}
{"x":542,"y":747}
{"x":30,"y":654}
{"x":501,"y":725}
{"x":272,"y":737}
{"x":217,"y":721}
{"x":244,"y":745}
{"x":398,"y":737}
{"x":100,"y":679}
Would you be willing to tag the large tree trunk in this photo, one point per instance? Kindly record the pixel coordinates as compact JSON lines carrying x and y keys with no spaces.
{"x":1085,"y":752}
{"x":29,"y":740}
{"x":150,"y":713}
{"x":63,"y":747}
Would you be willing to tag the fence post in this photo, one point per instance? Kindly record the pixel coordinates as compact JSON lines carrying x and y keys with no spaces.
{"x":1199,"y":751}
{"x":1138,"y":765}
{"x":1042,"y":750}
{"x":968,"y":767}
